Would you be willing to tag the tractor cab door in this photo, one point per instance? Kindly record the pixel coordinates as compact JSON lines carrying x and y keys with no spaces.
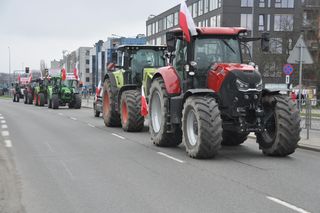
{"x":181,"y":57}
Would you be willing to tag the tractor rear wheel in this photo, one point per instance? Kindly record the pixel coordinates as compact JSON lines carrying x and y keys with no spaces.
{"x":159,"y":110}
{"x":282,"y":126}
{"x":49,"y":102}
{"x":35,"y":99}
{"x":231,"y":138}
{"x":131,"y":119}
{"x":55,"y":101}
{"x":77,"y":101}
{"x":110,"y":116}
{"x":41,"y":99}
{"x":201,"y":127}
{"x":29,"y":98}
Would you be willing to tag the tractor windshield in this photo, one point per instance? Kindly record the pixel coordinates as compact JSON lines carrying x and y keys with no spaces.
{"x":147,"y":58}
{"x":70,"y":83}
{"x":216,"y":50}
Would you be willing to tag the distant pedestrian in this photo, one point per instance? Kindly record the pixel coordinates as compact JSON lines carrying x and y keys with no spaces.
{"x":293,"y":96}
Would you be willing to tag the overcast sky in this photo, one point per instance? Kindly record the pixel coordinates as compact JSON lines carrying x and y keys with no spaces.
{"x":41,"y":29}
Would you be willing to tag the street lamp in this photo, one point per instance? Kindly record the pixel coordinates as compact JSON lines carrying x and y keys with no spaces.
{"x":9,"y":65}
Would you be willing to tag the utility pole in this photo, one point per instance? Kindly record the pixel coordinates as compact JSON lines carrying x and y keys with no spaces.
{"x":9,"y":66}
{"x":252,"y":28}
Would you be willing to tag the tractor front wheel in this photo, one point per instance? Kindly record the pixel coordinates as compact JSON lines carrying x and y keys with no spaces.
{"x":110,"y":116}
{"x":131,"y":119}
{"x":55,"y":101}
{"x":201,"y":127}
{"x":41,"y":99}
{"x":77,"y":101}
{"x":29,"y":98}
{"x":159,"y":121}
{"x":282,"y":126}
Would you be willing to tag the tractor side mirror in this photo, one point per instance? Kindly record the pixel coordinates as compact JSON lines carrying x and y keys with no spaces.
{"x":265,"y":38}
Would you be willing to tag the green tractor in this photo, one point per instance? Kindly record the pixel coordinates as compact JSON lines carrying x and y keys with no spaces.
{"x":63,"y":90}
{"x":40,"y":92}
{"x":122,"y":88}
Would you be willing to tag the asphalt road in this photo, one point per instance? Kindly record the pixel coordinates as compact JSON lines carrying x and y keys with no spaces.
{"x":68,"y":161}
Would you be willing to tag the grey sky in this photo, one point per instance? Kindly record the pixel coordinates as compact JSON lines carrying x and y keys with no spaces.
{"x":41,"y":29}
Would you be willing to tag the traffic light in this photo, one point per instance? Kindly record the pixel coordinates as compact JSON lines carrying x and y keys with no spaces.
{"x":27,"y":69}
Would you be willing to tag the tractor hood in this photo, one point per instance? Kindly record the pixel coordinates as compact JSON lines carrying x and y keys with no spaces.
{"x":65,"y":90}
{"x":243,"y":74}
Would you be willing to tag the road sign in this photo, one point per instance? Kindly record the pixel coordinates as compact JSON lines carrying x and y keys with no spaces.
{"x":288,"y":69}
{"x":287,"y":79}
{"x":300,"y":48}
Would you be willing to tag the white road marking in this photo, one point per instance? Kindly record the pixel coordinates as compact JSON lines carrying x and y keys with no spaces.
{"x":8,"y":143}
{"x":91,"y":125}
{"x":49,"y":146}
{"x":73,"y":118}
{"x":3,"y":121}
{"x":170,"y":157}
{"x":4,"y":126}
{"x":61,"y":114}
{"x":119,"y":136}
{"x":67,"y":169}
{"x":1,"y":117}
{"x":288,"y":205}
{"x":5,"y":133}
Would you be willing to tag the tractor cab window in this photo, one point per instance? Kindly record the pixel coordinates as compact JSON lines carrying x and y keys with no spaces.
{"x":180,"y":58}
{"x":209,"y":51}
{"x":146,"y":58}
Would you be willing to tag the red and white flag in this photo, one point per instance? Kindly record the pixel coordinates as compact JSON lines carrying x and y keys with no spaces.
{"x":144,"y":105}
{"x":19,"y":78}
{"x":63,"y":74}
{"x":186,"y":22}
{"x":75,"y":73}
{"x":30,"y":78}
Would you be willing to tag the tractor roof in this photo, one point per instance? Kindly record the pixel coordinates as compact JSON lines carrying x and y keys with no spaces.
{"x":215,"y":30}
{"x":138,"y":47}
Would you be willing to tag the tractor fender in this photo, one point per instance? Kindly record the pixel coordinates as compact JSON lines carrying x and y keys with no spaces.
{"x":170,"y":78}
{"x":266,"y":92}
{"x":191,"y":92}
{"x":125,"y":88}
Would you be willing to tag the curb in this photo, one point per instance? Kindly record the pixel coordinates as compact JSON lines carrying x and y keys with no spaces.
{"x":301,"y":146}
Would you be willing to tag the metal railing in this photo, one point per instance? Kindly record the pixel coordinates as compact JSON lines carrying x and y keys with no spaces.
{"x":310,"y":115}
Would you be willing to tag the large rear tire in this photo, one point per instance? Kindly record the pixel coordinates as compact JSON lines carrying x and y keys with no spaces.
{"x":55,"y":101}
{"x":41,"y":99}
{"x":110,"y":116}
{"x":159,"y":120}
{"x":77,"y":101}
{"x":201,"y":127}
{"x":49,"y":102}
{"x":282,"y":126}
{"x":131,"y":119}
{"x":233,"y":138}
{"x":29,"y":98}
{"x":35,"y":99}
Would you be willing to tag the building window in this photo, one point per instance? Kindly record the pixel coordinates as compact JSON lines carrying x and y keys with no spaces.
{"x":283,"y":22}
{"x":195,"y":10}
{"x":87,"y":52}
{"x":206,"y":6}
{"x":215,"y":21}
{"x":157,"y":27}
{"x":200,"y":7}
{"x":87,"y":61}
{"x":214,"y":4}
{"x":276,"y":45}
{"x":246,"y":21}
{"x":269,"y":3}
{"x":87,"y":79}
{"x":164,"y":21}
{"x":261,"y":22}
{"x":87,"y":70}
{"x":262,"y":3}
{"x":158,"y":41}
{"x":284,"y":4}
{"x":268,"y":22}
{"x":169,"y":21}
{"x":160,"y":25}
{"x":246,"y":3}
{"x":176,"y":18}
{"x":149,"y":30}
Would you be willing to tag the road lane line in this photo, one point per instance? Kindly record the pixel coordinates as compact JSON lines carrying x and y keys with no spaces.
{"x":73,"y":118}
{"x":49,"y":146}
{"x":1,"y":117}
{"x":4,"y":126}
{"x":8,"y":143}
{"x":170,"y":157}
{"x":61,"y":114}
{"x":91,"y":125}
{"x":67,"y":169}
{"x":288,"y":205}
{"x":119,"y":136}
{"x":5,"y":133}
{"x":3,"y":121}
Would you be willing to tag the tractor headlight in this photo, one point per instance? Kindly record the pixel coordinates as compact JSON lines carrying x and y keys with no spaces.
{"x":242,"y":86}
{"x":259,"y":86}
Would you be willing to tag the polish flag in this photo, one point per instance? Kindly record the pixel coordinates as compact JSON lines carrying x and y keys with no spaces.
{"x":186,"y":22}
{"x":144,"y":105}
{"x":99,"y":89}
{"x":75,"y":72}
{"x":30,"y":78}
{"x":19,"y":78}
{"x":63,"y":74}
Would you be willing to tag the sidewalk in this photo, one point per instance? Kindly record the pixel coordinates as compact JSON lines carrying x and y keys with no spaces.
{"x":87,"y":102}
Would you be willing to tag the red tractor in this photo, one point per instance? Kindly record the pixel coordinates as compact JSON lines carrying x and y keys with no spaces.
{"x":208,"y":97}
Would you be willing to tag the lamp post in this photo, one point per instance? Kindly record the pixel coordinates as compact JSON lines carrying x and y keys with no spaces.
{"x":9,"y":66}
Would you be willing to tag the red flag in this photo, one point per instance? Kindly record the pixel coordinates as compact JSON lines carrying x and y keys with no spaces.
{"x":19,"y":78}
{"x":63,"y":74}
{"x":144,"y":105}
{"x":30,"y":78}
{"x":186,"y":22}
{"x":75,"y":72}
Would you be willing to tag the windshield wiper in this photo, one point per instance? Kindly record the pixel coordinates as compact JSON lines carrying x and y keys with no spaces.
{"x":228,"y":45}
